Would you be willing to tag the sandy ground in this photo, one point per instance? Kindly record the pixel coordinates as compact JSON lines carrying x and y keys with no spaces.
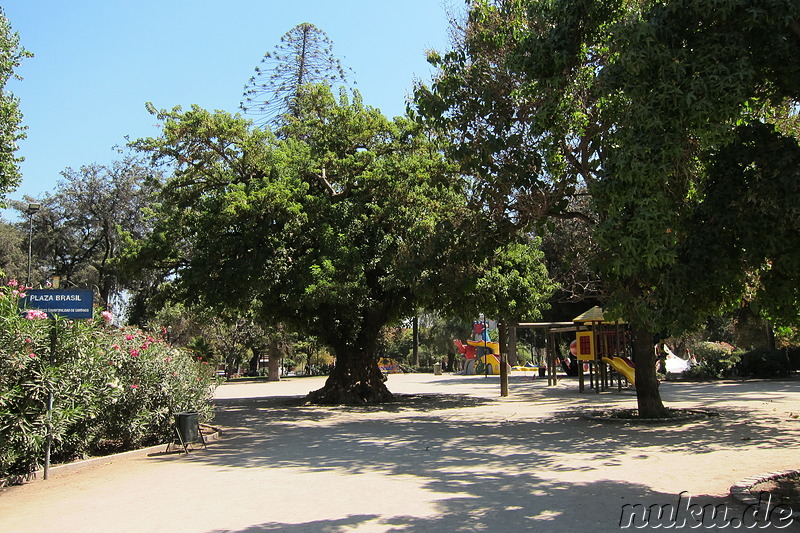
{"x":451,"y":456}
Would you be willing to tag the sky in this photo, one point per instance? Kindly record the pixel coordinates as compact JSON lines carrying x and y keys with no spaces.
{"x":98,"y":62}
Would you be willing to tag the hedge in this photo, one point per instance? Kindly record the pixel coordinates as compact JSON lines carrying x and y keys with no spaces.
{"x":113,"y":388}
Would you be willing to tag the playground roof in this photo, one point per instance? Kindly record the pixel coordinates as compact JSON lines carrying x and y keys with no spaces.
{"x":595,"y":314}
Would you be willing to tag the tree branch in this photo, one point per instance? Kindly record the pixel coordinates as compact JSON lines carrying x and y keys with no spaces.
{"x":338,"y":195}
{"x":327,"y":184}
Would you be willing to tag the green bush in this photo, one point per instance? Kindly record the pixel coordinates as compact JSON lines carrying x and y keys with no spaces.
{"x":793,"y":352}
{"x":764,"y":363}
{"x":715,"y":360}
{"x":112,"y":388}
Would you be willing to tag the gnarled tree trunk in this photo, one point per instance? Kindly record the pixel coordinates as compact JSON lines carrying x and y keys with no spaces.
{"x":356,"y":379}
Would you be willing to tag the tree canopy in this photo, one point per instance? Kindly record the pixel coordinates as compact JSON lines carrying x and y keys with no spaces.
{"x":659,"y":109}
{"x":11,"y":130}
{"x":695,"y":89}
{"x":340,"y":225}
{"x":81,"y":227}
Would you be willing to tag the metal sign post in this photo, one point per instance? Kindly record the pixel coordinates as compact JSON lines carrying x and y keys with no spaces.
{"x":64,"y":303}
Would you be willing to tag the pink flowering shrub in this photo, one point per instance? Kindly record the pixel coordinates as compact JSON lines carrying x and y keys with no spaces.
{"x":35,"y":314}
{"x":113,"y":388}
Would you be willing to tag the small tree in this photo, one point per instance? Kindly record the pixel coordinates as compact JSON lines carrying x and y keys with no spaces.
{"x":12,"y":258}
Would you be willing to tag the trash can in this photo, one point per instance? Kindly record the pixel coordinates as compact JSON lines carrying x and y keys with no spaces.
{"x":188,"y":427}
{"x":437,"y":369}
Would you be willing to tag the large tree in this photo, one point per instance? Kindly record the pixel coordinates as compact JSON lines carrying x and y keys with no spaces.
{"x":303,"y":56}
{"x":692,"y":94}
{"x":11,"y":130}
{"x":346,"y":223}
{"x":644,"y":103}
{"x":80,"y":228}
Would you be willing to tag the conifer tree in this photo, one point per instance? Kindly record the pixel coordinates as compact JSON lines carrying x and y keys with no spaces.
{"x":304,"y":55}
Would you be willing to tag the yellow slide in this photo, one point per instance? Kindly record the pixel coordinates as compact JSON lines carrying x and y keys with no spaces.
{"x":623,"y":368}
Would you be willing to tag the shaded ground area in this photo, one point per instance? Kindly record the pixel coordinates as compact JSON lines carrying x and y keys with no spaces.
{"x":785,"y":490}
{"x":450,"y":455}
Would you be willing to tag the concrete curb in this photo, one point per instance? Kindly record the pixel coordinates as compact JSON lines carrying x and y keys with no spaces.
{"x":38,"y":475}
{"x":741,"y":490}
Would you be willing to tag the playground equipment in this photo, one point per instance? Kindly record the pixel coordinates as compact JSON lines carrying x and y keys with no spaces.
{"x":552,"y":332}
{"x":673,"y":363}
{"x":598,"y":345}
{"x":527,"y":367}
{"x":625,"y":369}
{"x":494,"y":347}
{"x":488,"y":364}
{"x":482,"y":355}
{"x":389,"y":366}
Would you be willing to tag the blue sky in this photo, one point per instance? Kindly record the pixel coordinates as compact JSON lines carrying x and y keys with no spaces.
{"x":97,"y":62}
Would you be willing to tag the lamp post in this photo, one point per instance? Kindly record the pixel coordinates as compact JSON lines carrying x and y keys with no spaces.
{"x":32,"y":209}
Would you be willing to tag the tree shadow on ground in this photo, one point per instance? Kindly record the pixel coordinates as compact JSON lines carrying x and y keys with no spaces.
{"x":487,"y":473}
{"x":518,"y":503}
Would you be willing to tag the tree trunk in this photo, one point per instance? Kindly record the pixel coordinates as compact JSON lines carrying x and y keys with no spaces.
{"x":513,"y":360}
{"x":647,"y":394}
{"x":274,"y":363}
{"x":356,"y":379}
{"x":415,"y":341}
{"x":253,"y":363}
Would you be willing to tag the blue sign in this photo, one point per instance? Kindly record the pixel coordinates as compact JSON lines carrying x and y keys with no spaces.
{"x":67,"y":303}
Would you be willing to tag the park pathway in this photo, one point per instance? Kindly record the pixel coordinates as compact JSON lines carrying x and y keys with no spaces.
{"x":450,"y":456}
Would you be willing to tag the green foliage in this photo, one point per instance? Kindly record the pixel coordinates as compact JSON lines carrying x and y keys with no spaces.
{"x":113,"y":388}
{"x":715,"y":360}
{"x":11,"y":56}
{"x":13,"y":260}
{"x":710,"y":349}
{"x":340,"y":224}
{"x":743,"y":230}
{"x":517,"y":113}
{"x":793,"y":353}
{"x":83,"y":223}
{"x":687,"y":96}
{"x":647,"y":104}
{"x":764,"y":363}
{"x":657,"y":108}
{"x":511,"y":279}
{"x":396,"y":343}
{"x":436,"y":334}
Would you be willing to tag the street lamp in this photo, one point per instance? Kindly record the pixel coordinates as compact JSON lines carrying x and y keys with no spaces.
{"x":32,"y":209}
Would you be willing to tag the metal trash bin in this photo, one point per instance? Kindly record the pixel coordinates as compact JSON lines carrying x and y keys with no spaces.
{"x":437,"y":369}
{"x":188,"y":427}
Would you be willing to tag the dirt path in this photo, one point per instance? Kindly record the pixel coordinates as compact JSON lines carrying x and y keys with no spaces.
{"x":451,"y":456}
